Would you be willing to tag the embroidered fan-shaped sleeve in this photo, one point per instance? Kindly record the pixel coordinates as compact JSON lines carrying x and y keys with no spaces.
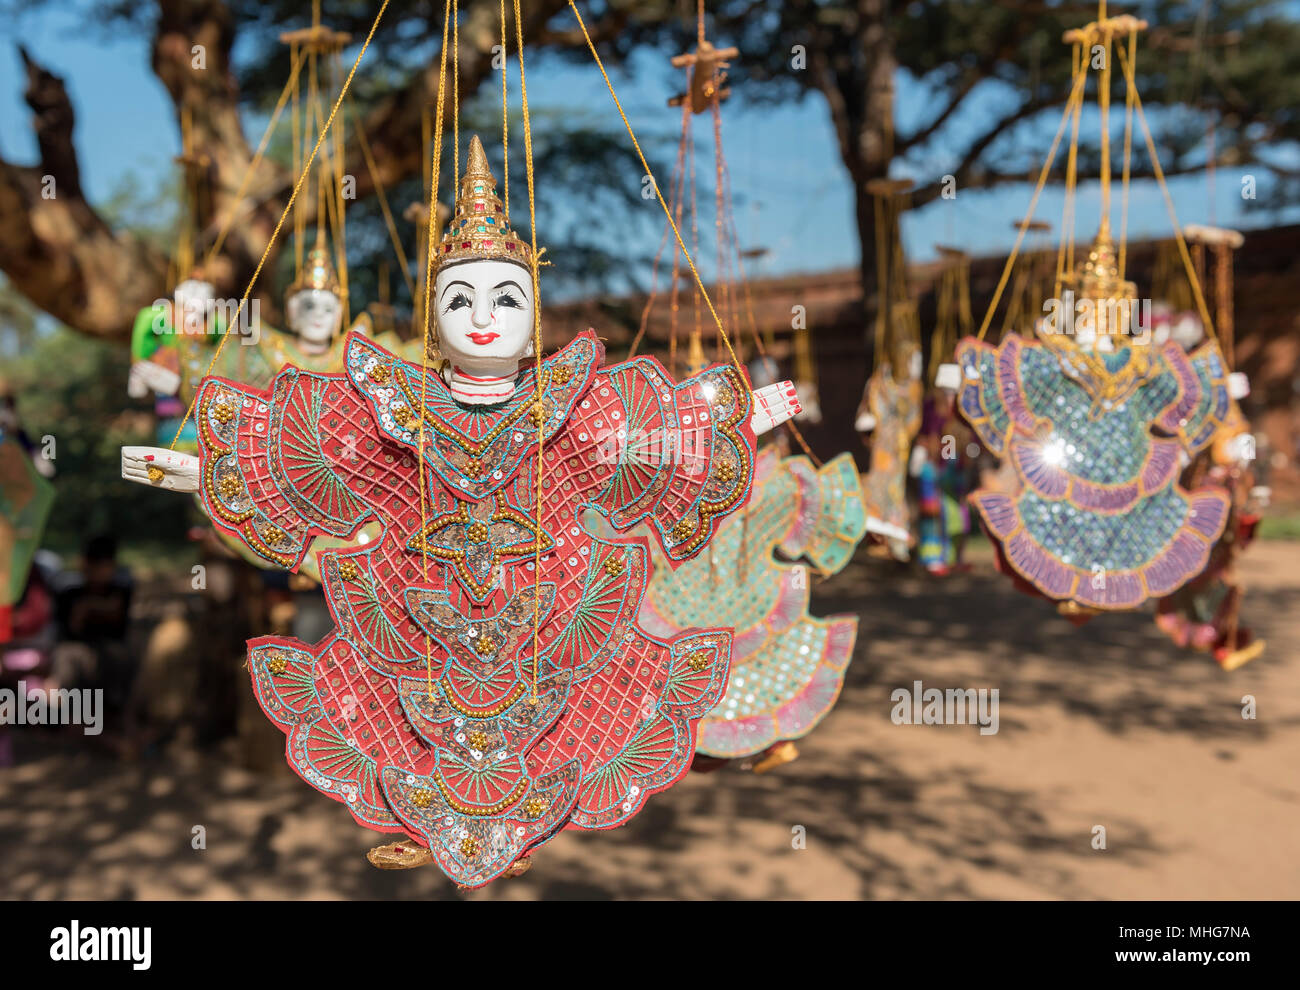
{"x":980,"y":397}
{"x":265,"y":474}
{"x":683,"y":455}
{"x":1203,"y":409}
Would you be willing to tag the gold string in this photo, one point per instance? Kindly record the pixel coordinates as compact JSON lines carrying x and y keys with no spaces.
{"x":257,"y":158}
{"x":1103,"y":105}
{"x":1076,"y":96}
{"x":455,"y":94}
{"x":505,"y":117}
{"x":659,"y":195}
{"x":293,"y":198}
{"x":1128,"y":163}
{"x":435,"y":172}
{"x":537,"y":345}
{"x":1063,"y":263}
{"x":1069,"y":216}
{"x":1201,"y":307}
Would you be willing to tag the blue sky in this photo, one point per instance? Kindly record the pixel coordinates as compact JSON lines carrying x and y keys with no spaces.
{"x":794,"y":195}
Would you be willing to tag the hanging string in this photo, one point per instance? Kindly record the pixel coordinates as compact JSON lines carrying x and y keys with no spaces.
{"x":423,"y":247}
{"x":679,"y":200}
{"x":1201,"y":307}
{"x":719,"y":210}
{"x":1103,"y":106}
{"x":591,"y":45}
{"x":313,"y":114}
{"x":1065,"y":254}
{"x":289,"y":87}
{"x":384,"y":207}
{"x":293,"y":198}
{"x":505,"y":117}
{"x":1076,"y":95}
{"x":435,"y":173}
{"x":1128,"y":161}
{"x":537,"y":343}
{"x":455,"y":94}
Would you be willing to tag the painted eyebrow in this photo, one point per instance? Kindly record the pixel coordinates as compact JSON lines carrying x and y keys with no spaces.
{"x":502,"y":285}
{"x":457,"y":282}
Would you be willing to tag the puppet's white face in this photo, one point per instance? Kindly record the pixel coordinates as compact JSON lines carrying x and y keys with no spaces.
{"x":315,"y":315}
{"x":193,"y":301}
{"x":485,"y":315}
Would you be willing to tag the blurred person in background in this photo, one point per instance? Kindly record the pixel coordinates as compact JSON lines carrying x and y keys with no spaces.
{"x":94,"y":609}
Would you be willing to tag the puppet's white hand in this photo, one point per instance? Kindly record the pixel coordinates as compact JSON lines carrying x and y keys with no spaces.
{"x":146,"y":377}
{"x":773,"y":405}
{"x":159,"y":467}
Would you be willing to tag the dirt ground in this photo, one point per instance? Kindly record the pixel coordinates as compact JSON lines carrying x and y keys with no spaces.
{"x":1104,"y":725}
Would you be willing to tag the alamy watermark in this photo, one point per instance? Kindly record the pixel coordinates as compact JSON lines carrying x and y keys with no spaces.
{"x":204,"y":317}
{"x":1086,"y":317}
{"x":920,"y":705}
{"x":84,"y":707}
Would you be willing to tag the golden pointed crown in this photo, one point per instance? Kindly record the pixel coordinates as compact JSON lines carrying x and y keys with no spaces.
{"x":480,"y":229}
{"x":317,"y":270}
{"x":1099,"y":279}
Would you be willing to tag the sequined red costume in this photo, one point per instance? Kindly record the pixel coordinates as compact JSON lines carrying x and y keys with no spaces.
{"x":441,"y":738}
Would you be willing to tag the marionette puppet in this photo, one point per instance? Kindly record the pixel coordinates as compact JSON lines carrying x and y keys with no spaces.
{"x":1095,"y":418}
{"x":487,"y":683}
{"x":890,"y":410}
{"x":891,"y":413}
{"x":173,"y":343}
{"x":1098,"y":426}
{"x":166,"y":334}
{"x":943,"y":472}
{"x":1204,"y":614}
{"x":788,"y":666}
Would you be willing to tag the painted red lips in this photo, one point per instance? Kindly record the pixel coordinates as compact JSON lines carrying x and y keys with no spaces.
{"x":484,"y":338}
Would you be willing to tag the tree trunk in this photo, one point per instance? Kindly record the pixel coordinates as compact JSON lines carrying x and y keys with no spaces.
{"x":860,"y":94}
{"x":62,"y":256}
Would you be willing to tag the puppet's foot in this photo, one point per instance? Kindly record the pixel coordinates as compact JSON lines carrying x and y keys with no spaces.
{"x":1076,"y":613}
{"x":781,"y":753}
{"x":399,"y":856}
{"x":1232,"y":659}
{"x":519,"y":867}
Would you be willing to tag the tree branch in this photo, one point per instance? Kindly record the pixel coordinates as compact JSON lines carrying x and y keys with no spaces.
{"x":54,"y":247}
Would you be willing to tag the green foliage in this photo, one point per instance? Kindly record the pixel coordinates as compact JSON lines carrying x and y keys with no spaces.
{"x":998,"y":72}
{"x":71,"y":394}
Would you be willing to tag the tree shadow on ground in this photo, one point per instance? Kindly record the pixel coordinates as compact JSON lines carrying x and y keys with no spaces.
{"x":77,"y":823}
